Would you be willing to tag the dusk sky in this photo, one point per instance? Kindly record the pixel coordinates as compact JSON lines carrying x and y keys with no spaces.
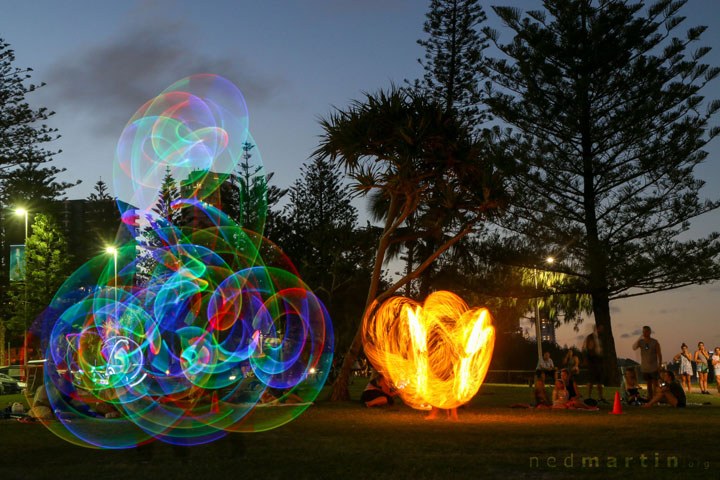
{"x":293,"y":60}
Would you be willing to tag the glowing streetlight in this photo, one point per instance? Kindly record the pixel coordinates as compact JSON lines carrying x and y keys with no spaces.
{"x":538,"y":334}
{"x":25,"y":213}
{"x":113,"y":251}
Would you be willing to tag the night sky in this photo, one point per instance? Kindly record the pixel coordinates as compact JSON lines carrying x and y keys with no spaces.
{"x":293,"y":60}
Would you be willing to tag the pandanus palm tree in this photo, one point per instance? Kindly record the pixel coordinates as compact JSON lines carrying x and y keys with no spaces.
{"x":422,"y":161}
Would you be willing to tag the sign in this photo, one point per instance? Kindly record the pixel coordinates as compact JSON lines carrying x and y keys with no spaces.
{"x":17,"y":263}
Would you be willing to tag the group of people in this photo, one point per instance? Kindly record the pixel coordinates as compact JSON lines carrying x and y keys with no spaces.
{"x":592,"y":351}
{"x":651,"y":363}
{"x":662,"y":384}
{"x":565,"y":395}
{"x":703,"y":359}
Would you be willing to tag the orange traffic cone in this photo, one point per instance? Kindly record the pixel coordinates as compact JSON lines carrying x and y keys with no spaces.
{"x":617,"y":407}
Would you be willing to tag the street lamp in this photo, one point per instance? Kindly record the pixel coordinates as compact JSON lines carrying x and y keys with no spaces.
{"x":538,"y":334}
{"x":25,"y":213}
{"x":113,"y":251}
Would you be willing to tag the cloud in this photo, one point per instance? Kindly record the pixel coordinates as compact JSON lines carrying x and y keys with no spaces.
{"x":109,"y":81}
{"x":614,"y":309}
{"x":625,"y":335}
{"x":636,"y":332}
{"x":667,"y":311}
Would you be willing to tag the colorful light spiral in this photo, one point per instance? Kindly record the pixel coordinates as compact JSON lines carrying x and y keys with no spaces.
{"x":205,"y":328}
{"x":437,"y":354}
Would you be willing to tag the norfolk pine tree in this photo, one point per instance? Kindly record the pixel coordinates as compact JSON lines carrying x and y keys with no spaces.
{"x":453,"y":74}
{"x":22,"y":134}
{"x":453,"y":55}
{"x":607,"y":128}
{"x":46,"y":268}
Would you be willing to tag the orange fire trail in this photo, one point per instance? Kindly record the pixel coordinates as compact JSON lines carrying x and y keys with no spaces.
{"x":437,"y":354}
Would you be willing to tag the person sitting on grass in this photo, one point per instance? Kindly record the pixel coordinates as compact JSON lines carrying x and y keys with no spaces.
{"x":571,"y":362}
{"x":378,"y":392}
{"x":560,"y":395}
{"x":670,"y":392}
{"x":632,"y":388}
{"x":575,"y":400}
{"x":278,"y":395}
{"x":540,"y":399}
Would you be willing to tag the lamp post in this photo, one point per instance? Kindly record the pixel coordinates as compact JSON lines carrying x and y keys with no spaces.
{"x":25,"y":213}
{"x":538,"y":334}
{"x":114,"y":252}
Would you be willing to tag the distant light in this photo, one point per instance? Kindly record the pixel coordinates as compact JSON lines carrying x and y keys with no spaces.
{"x":21,"y":211}
{"x":312,"y":371}
{"x":111,"y":250}
{"x":232,"y":377}
{"x":549,"y":259}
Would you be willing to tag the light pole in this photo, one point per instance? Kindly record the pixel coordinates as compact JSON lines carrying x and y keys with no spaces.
{"x":538,"y":334}
{"x":25,"y":213}
{"x":114,"y":252}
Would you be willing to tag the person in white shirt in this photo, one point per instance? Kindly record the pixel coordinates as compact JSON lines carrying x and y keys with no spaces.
{"x":716,"y":366}
{"x":545,"y":366}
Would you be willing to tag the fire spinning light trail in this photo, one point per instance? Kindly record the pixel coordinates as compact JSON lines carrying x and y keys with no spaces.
{"x":437,"y":353}
{"x":197,"y":334}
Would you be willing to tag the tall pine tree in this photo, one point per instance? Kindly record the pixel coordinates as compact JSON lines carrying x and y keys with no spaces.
{"x":608,"y":125}
{"x":453,"y":74}
{"x":322,"y":240}
{"x":46,"y":268}
{"x":23,"y":182}
{"x":453,"y":55}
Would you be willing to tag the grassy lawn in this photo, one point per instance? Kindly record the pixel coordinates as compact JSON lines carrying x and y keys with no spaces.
{"x":349,"y":441}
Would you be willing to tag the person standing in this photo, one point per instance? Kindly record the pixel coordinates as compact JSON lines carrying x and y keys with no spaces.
{"x":701,"y":361}
{"x":716,"y":366}
{"x":592,"y":347}
{"x":650,"y":360}
{"x":686,"y":370}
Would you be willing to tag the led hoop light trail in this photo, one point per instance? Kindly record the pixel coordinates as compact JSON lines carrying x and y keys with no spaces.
{"x":194,"y":333}
{"x":437,"y":354}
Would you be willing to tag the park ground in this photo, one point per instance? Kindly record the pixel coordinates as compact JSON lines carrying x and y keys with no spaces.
{"x":348,"y":441}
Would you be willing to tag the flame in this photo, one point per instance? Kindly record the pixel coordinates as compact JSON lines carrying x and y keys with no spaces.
{"x":437,"y":354}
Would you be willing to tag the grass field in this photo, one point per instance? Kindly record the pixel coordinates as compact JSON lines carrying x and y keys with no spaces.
{"x":348,"y":441}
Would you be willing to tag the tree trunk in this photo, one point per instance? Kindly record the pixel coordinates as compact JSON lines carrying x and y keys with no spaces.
{"x":340,"y":391}
{"x":601,"y":310}
{"x":340,"y":386}
{"x":596,"y":256}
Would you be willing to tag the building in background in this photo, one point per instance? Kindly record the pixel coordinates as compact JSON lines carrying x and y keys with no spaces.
{"x":547,"y":327}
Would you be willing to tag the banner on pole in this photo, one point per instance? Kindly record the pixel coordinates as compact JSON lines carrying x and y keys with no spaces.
{"x":17,"y":263}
